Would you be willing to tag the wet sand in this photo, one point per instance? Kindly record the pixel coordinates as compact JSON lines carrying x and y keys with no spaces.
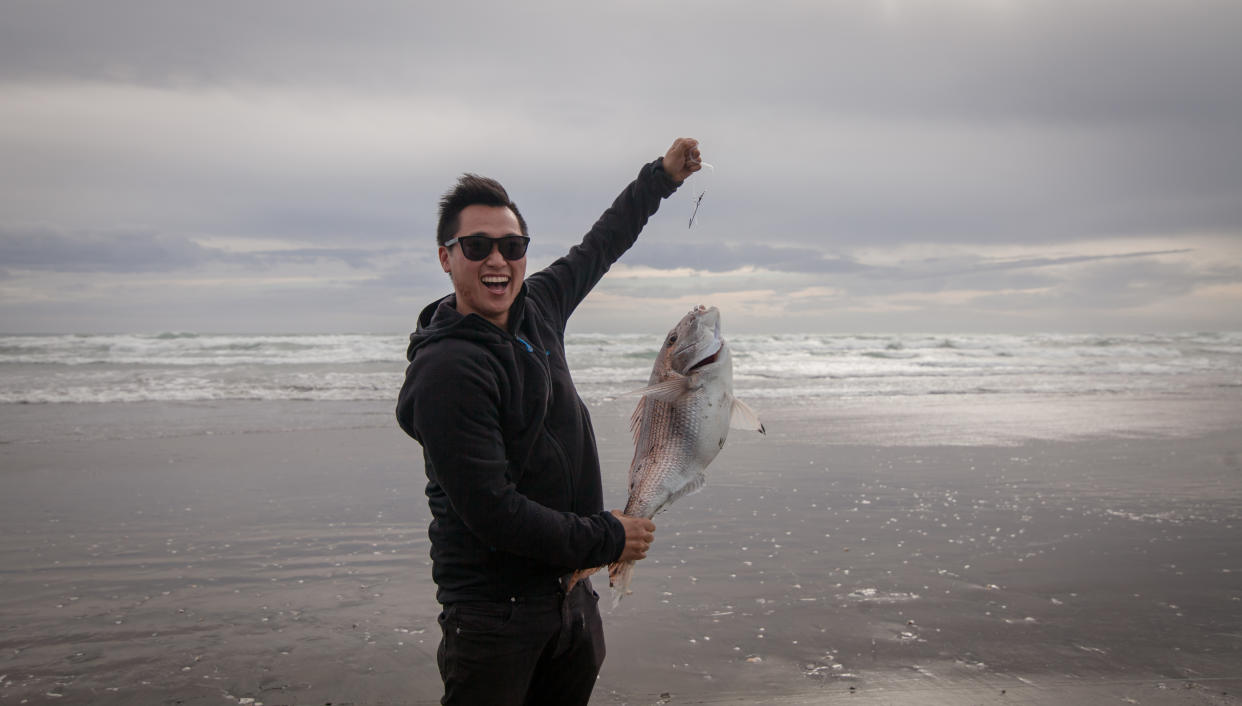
{"x":290,"y":567}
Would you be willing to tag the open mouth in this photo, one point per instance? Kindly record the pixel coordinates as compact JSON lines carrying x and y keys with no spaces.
{"x":718,"y":345}
{"x":496,"y":284}
{"x":706,"y":361}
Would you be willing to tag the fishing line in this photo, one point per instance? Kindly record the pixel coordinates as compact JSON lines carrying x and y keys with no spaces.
{"x":694,"y":211}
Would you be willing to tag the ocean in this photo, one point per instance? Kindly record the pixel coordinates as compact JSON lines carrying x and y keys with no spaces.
{"x":929,"y":519}
{"x":1044,"y":385}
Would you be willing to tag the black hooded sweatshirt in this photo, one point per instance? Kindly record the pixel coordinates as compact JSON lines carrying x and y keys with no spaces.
{"x":513,"y":477}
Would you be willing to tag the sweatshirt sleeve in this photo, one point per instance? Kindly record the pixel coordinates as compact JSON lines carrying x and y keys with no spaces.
{"x":566,"y":282}
{"x":455,"y":414}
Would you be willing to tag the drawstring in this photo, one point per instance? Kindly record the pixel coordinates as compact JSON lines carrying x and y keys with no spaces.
{"x":529,"y":347}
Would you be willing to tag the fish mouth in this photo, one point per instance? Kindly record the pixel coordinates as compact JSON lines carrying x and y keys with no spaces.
{"x":712,"y":349}
{"x":700,"y":344}
{"x":709,"y":359}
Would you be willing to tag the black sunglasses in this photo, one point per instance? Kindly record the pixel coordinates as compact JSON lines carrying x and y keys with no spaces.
{"x":478,"y":247}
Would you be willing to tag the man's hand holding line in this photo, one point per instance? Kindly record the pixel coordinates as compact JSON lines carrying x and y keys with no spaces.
{"x":683,"y":159}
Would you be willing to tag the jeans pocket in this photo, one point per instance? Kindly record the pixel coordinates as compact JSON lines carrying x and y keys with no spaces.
{"x":481,"y":617}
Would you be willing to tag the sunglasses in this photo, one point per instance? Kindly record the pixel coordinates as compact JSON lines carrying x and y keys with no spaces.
{"x":478,"y":247}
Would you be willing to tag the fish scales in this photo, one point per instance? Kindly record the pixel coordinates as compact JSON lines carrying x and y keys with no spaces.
{"x":665,"y":466}
{"x":681,"y":422}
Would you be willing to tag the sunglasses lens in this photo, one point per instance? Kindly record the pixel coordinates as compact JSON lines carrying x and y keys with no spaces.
{"x":475,"y":247}
{"x":478,"y":247}
{"x":512,"y":248}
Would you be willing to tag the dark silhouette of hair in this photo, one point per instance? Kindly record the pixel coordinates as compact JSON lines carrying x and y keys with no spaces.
{"x":471,"y":190}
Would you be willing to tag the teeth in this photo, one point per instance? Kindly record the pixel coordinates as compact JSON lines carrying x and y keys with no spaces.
{"x":495,"y":280}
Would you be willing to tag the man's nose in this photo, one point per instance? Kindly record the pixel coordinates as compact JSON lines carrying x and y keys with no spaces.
{"x":493,"y":255}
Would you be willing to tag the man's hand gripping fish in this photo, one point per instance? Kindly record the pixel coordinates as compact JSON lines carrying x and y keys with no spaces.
{"x":681,"y":422}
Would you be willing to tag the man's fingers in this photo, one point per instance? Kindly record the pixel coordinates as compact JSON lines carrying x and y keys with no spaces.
{"x":639,"y":534}
{"x":682,"y":155}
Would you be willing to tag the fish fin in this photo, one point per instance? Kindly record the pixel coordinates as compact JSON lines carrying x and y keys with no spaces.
{"x":695,"y":485}
{"x":743,"y":417}
{"x":578,"y":576}
{"x":619,"y":576}
{"x":667,"y":391}
{"x":636,"y":419}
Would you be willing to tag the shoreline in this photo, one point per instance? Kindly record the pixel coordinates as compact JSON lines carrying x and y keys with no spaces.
{"x":995,"y":419}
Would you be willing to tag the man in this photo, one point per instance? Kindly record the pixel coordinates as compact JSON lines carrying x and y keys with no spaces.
{"x":513,"y":476}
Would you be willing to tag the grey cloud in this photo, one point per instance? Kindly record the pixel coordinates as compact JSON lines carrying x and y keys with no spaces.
{"x":833,"y":126}
{"x":1040,"y":120}
{"x":354,"y":257}
{"x":1112,"y":286}
{"x":723,"y":257}
{"x":239,"y":308}
{"x":1119,"y":279}
{"x":106,"y":251}
{"x":1117,"y":285}
{"x":937,"y":267}
{"x":672,"y":288}
{"x":188,"y":43}
{"x":1044,"y":60}
{"x":44,"y":249}
{"x":1121,"y":271}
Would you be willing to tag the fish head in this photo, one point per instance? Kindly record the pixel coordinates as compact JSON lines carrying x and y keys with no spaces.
{"x":694,"y":344}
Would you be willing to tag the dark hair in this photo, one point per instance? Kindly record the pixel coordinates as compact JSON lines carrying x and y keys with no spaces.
{"x":472,"y":190}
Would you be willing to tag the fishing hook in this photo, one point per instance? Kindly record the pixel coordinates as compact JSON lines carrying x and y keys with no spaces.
{"x":695,"y":212}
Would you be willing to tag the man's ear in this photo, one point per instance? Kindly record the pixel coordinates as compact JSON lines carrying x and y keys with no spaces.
{"x":444,"y":258}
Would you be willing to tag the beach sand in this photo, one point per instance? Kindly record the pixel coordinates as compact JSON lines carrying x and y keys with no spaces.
{"x":291,"y":567}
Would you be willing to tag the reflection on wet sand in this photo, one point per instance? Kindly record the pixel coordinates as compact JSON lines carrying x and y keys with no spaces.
{"x":291,"y":567}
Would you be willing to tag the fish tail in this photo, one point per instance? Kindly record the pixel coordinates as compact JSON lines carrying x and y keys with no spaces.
{"x":619,"y":575}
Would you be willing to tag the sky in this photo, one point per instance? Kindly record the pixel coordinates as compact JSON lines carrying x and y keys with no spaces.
{"x":878,"y":165}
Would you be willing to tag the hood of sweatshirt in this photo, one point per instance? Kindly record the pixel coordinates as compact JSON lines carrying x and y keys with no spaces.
{"x":441,"y":319}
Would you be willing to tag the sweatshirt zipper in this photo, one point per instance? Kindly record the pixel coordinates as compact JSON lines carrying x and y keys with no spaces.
{"x":569,"y":474}
{"x":545,"y":367}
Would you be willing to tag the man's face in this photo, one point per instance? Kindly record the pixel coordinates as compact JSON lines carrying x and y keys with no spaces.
{"x":485,"y":287}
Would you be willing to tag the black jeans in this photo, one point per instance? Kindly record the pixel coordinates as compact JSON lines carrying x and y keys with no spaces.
{"x":541,"y":650}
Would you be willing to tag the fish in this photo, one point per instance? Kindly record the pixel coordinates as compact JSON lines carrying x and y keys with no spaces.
{"x":681,"y":422}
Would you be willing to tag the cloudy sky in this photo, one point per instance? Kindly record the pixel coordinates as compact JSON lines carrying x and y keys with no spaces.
{"x":880,"y":165}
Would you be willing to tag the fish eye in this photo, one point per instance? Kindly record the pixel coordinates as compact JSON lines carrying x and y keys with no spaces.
{"x":671,"y":340}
